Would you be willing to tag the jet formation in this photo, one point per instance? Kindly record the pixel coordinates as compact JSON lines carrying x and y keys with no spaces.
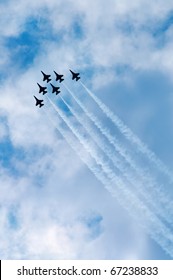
{"x":55,"y":89}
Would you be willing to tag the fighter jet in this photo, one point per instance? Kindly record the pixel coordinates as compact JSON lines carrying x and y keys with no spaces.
{"x":55,"y":89}
{"x":59,"y":77}
{"x":46,"y":77}
{"x":42,"y":89}
{"x":75,"y":75}
{"x":38,"y":102}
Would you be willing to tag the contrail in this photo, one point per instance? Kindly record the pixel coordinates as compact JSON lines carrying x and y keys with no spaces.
{"x":113,"y":140}
{"x":157,"y":230}
{"x":98,"y":141}
{"x":150,"y":184}
{"x":118,"y":164}
{"x":78,"y":148}
{"x":90,"y":148}
{"x":130,"y":135}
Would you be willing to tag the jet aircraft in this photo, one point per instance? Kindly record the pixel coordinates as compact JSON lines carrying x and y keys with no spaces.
{"x":59,"y":77}
{"x":42,"y":89}
{"x":75,"y":75}
{"x":39,"y":102}
{"x":46,"y":77}
{"x":55,"y":89}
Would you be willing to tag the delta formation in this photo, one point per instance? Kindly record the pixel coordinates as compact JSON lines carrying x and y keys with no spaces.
{"x":55,"y":89}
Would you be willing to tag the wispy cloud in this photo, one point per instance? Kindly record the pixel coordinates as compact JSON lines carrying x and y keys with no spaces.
{"x":44,"y":185}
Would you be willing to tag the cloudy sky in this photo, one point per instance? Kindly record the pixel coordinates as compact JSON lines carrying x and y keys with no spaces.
{"x":53,"y":204}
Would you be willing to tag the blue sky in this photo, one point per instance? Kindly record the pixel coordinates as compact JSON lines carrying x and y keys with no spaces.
{"x":52,"y":206}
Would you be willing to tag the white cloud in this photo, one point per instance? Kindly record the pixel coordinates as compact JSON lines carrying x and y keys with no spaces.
{"x":68,"y":189}
{"x":3,"y":131}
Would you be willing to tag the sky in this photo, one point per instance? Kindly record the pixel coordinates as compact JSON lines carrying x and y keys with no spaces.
{"x":62,"y":195}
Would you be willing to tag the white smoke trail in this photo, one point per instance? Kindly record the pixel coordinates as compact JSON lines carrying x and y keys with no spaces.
{"x":113,"y":140}
{"x":130,"y":135}
{"x":90,"y":148}
{"x":99,"y":142}
{"x":130,"y":180}
{"x":78,"y":148}
{"x":157,"y":230}
{"x":144,"y":179}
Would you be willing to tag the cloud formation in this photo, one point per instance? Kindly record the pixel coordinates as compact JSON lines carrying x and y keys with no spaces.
{"x":48,"y":197}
